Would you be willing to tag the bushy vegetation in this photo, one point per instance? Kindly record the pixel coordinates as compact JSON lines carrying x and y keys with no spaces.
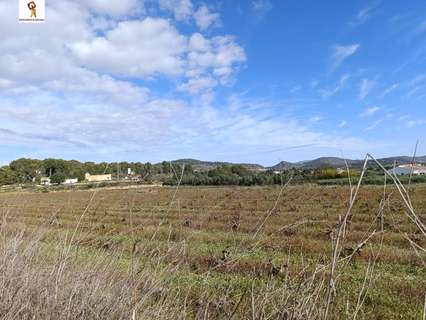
{"x":227,"y":175}
{"x":29,"y":171}
{"x":8,"y":175}
{"x":25,"y":171}
{"x":371,"y":180}
{"x":57,"y":178}
{"x":238,"y":175}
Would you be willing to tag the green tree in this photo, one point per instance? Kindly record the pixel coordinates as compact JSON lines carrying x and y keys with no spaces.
{"x":27,"y":169}
{"x":328,"y":173}
{"x":57,"y":178}
{"x":7,"y":176}
{"x":165,"y":167}
{"x":240,"y":170}
{"x":52,"y":166}
{"x":188,"y":169}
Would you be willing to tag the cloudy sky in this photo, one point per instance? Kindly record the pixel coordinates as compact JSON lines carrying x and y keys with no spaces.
{"x":254,"y":81}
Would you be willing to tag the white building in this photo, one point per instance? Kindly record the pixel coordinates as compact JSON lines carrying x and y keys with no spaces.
{"x":45,"y":181}
{"x":340,"y":171}
{"x":98,"y":177}
{"x":407,"y":169}
{"x":71,"y":181}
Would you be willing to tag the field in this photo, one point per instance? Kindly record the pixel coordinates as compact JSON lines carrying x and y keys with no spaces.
{"x":212,"y":253}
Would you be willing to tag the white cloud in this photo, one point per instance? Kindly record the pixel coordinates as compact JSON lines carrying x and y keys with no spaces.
{"x":196,"y":85}
{"x":61,"y":56}
{"x":315,"y":119}
{"x":135,"y":48}
{"x":416,"y":86}
{"x":100,"y":23}
{"x":247,"y":126}
{"x":389,"y":90}
{"x":415,"y":123}
{"x":182,"y":9}
{"x":198,"y":43}
{"x":342,"y":52}
{"x":343,"y":79}
{"x":29,"y":54}
{"x":50,"y":36}
{"x":261,"y":6}
{"x":370,"y":111}
{"x":70,"y":81}
{"x":342,"y":124}
{"x":417,"y":80}
{"x":325,"y":93}
{"x":86,"y":126}
{"x":153,"y":46}
{"x":374,"y":125}
{"x":4,"y":83}
{"x":363,"y":15}
{"x":87,"y":119}
{"x":365,"y":88}
{"x":205,"y":18}
{"x":219,"y":55}
{"x":87,"y":82}
{"x":12,"y":137}
{"x":115,"y":8}
{"x":416,"y":92}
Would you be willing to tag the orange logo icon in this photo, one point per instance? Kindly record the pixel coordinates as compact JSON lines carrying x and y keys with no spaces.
{"x":32,"y":6}
{"x":32,"y":11}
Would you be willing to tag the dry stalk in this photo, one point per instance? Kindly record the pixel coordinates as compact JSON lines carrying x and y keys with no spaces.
{"x":424,"y":309}
{"x":270,"y":211}
{"x":337,"y":245}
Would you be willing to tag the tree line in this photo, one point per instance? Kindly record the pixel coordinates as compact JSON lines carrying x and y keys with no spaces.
{"x":25,"y":171}
{"x":30,"y":171}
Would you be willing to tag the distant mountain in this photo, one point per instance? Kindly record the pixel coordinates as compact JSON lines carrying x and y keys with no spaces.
{"x":323,"y":162}
{"x":207,"y":165}
{"x":283,"y":165}
{"x":401,"y":160}
{"x":334,"y":162}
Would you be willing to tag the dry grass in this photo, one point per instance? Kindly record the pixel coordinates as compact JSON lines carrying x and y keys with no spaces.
{"x":39,"y":282}
{"x":212,"y":253}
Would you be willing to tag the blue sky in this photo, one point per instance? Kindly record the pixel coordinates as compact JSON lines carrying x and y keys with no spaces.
{"x":248,"y":81}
